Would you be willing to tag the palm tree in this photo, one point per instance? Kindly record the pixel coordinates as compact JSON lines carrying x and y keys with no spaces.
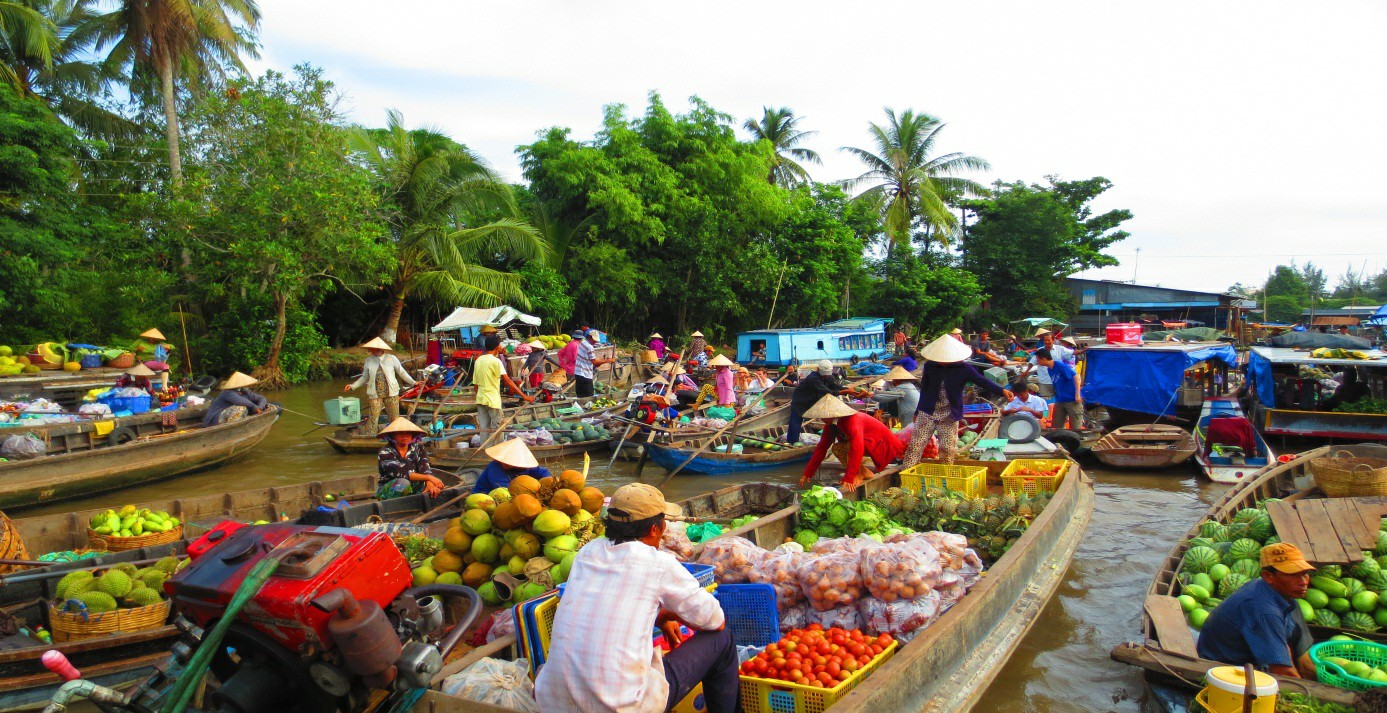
{"x":913,"y":186}
{"x":779,"y":126}
{"x":430,"y":184}
{"x":192,"y":40}
{"x":30,"y":32}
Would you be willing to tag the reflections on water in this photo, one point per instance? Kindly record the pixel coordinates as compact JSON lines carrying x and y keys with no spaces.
{"x":1062,"y":665}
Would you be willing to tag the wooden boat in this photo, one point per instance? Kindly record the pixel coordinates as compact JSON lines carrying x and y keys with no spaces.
{"x":81,"y":463}
{"x":713,"y":461}
{"x":1167,"y":649}
{"x":1227,"y":468}
{"x":445,"y":453}
{"x":1304,"y":422}
{"x":949,"y":666}
{"x":1150,"y":446}
{"x":348,"y":441}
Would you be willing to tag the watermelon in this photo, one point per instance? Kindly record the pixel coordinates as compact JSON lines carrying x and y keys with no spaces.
{"x":1231,"y":583}
{"x":1201,"y":542}
{"x":1358,"y":621}
{"x":1273,"y":540}
{"x":1209,"y":527}
{"x":1306,"y":610}
{"x":1332,"y":571}
{"x":1352,"y":586}
{"x":1261,"y":529}
{"x":1366,"y":569}
{"x":1237,"y":531}
{"x":1221,"y":534}
{"x":1324,"y":617}
{"x":1317,"y":599}
{"x":1381,"y":548}
{"x":1222,"y":547}
{"x":1248,"y":515}
{"x":1218,"y":572}
{"x":1200,"y":559}
{"x":1377,"y":581}
{"x":1245,"y":549}
{"x":1251,"y":569}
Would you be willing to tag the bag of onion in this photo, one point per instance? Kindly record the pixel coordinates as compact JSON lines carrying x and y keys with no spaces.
{"x":832,"y":580}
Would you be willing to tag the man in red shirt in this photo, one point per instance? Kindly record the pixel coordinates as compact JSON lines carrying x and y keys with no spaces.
{"x":861,"y":434}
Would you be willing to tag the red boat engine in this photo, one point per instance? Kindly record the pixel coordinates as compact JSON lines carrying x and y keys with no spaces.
{"x":335,"y":621}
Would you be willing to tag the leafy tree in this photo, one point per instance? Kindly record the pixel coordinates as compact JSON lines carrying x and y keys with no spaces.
{"x":932,"y":296}
{"x":548,"y":292}
{"x":28,"y":38}
{"x":913,"y":186}
{"x":781,"y":128}
{"x":306,"y":224}
{"x":430,"y":185}
{"x":821,"y":243}
{"x":1282,"y":308}
{"x":1315,"y":281}
{"x":1098,"y":232}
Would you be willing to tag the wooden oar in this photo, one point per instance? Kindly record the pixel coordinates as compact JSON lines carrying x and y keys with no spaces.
{"x":499,"y":430}
{"x":709,"y":441}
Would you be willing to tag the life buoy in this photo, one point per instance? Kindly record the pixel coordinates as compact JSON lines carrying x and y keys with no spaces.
{"x":121,"y":435}
{"x":204,"y":384}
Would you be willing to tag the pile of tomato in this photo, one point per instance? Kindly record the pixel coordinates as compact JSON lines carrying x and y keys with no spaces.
{"x":816,"y":657}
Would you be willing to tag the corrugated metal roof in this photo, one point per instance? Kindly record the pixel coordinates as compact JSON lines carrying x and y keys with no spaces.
{"x":855,"y":323}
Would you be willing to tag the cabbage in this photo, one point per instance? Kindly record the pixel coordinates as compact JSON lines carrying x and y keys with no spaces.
{"x":806,"y":538}
{"x":867,"y":519}
{"x":840,"y":512}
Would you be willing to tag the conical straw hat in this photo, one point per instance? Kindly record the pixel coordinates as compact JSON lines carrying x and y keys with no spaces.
{"x":1041,"y":331}
{"x":899,"y":372}
{"x":536,"y":344}
{"x":829,"y":407}
{"x":377,"y":343}
{"x":946,"y":350}
{"x":513,"y":453}
{"x":238,"y":380}
{"x":658,"y":380}
{"x":154,"y":334}
{"x":140,"y":370}
{"x":956,"y":330}
{"x":401,"y":425}
{"x":696,"y":334}
{"x":720,"y":360}
{"x":654,"y":335}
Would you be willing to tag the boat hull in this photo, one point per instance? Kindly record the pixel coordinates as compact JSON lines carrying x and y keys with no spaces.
{"x":1145,"y":447}
{"x":1222,"y":469}
{"x":724,"y":463}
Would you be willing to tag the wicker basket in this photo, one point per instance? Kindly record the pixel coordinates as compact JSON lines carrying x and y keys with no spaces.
{"x":109,"y":543}
{"x":1341,"y":475}
{"x":124,"y":361}
{"x":11,"y":545}
{"x":67,"y":626}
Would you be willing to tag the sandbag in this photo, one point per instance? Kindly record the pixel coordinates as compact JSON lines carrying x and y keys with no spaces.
{"x":25,"y":446}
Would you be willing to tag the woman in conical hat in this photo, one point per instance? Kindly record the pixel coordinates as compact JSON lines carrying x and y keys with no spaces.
{"x":946,"y":372}
{"x":850,"y":436}
{"x":403,"y":464}
{"x":235,"y":401}
{"x":901,"y":395}
{"x":656,"y":343}
{"x":724,"y":380}
{"x":509,"y":459}
{"x":137,"y":377}
{"x":382,"y":375}
{"x":152,"y":349}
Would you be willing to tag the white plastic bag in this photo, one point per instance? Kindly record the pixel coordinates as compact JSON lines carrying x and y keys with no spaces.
{"x":846,"y":617}
{"x":676,"y":542}
{"x":903,"y":618}
{"x":732,"y":558}
{"x":502,"y":624}
{"x":500,"y":683}
{"x":832,"y":580}
{"x":795,"y":617}
{"x":780,"y":570}
{"x":900,"y":571}
{"x":23,"y":447}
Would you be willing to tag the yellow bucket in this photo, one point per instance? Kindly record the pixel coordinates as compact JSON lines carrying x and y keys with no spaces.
{"x":1226,"y":687}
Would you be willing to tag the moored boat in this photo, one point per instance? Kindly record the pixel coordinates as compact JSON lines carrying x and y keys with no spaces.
{"x":746,"y":450}
{"x":1220,"y":460}
{"x":1150,"y":446}
{"x":349,"y":441}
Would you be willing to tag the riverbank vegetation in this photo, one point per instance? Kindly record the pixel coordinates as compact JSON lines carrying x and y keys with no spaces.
{"x":146,"y":180}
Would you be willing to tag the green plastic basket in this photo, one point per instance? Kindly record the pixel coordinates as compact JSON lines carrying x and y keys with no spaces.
{"x":1368,"y":652}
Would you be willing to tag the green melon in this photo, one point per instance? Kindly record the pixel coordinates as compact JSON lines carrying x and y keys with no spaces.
{"x":1200,"y":559}
{"x":1231,"y":583}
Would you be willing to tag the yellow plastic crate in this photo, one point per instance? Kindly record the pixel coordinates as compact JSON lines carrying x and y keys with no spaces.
{"x":1030,"y":484}
{"x":971,"y":481}
{"x":761,"y":695}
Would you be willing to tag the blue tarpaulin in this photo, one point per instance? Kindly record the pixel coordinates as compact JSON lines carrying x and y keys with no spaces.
{"x":1145,"y":379}
{"x":1259,"y":369}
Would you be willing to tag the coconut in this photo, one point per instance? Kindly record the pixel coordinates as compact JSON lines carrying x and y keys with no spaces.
{"x":556,"y":575}
{"x":507,"y":517}
{"x":500,"y":495}
{"x":486,"y":548}
{"x":526,"y":545}
{"x":475,"y":574}
{"x":445,"y":561}
{"x":551,"y":523}
{"x":566,"y":566}
{"x":476,"y":522}
{"x":424,"y":576}
{"x":592,"y":499}
{"x":523,"y":485}
{"x":573,"y":480}
{"x":480,"y":501}
{"x":566,"y":501}
{"x":557,"y":548}
{"x":449,"y":578}
{"x":457,"y":541}
{"x":528,"y":591}
{"x":516,"y":565}
{"x":528,"y":506}
{"x":507,"y":552}
{"x":580,"y":519}
{"x":488,"y":593}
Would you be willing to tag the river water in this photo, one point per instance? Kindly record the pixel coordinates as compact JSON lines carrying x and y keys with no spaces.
{"x":1063,"y":663}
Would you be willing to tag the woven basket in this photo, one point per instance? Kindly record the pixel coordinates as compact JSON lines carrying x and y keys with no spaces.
{"x":109,"y":543}
{"x":1341,"y":475}
{"x":124,"y":361}
{"x":11,"y":545}
{"x":67,"y":626}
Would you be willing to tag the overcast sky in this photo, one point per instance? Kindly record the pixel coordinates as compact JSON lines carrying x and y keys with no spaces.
{"x":1240,"y":134}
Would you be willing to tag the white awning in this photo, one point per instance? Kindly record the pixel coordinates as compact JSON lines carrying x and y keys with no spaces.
{"x":464,"y":317}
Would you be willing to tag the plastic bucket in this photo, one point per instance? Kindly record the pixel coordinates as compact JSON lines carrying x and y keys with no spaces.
{"x":1226,"y":686}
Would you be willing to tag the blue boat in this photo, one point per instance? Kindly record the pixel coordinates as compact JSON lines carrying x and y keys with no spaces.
{"x":838,"y":341}
{"x":1228,"y":466}
{"x":730,"y":454}
{"x":1156,"y":379}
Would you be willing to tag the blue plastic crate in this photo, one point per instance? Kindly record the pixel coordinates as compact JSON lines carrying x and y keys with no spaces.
{"x":751,"y":611}
{"x":701,"y":572}
{"x":133,"y":404}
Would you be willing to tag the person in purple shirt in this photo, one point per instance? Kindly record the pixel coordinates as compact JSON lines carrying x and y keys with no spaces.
{"x":941,"y":397}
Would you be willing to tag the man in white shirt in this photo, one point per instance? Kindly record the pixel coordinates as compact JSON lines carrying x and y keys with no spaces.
{"x":585,"y":368}
{"x":621,"y":586}
{"x":1042,"y":374}
{"x":1025,"y":402}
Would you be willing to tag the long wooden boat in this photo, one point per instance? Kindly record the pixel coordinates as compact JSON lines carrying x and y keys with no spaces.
{"x":1300,"y":422}
{"x":348,"y":441}
{"x":1227,"y":468}
{"x":720,"y":458}
{"x":1167,"y":649}
{"x":80,"y":463}
{"x":1149,"y":446}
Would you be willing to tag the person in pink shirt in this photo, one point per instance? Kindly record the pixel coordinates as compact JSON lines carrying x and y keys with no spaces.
{"x":568,"y":355}
{"x":722,"y":381}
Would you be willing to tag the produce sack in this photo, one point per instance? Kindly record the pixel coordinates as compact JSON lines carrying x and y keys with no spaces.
{"x":780,"y":570}
{"x":900,"y":571}
{"x":950,"y":588}
{"x":796,"y":617}
{"x":842,"y":544}
{"x":502,"y":624}
{"x":903,"y":618}
{"x":732,"y":558}
{"x":832,"y":580}
{"x":500,"y":683}
{"x":846,"y":617}
{"x":23,"y":447}
{"x":676,"y":542}
{"x":703,"y":531}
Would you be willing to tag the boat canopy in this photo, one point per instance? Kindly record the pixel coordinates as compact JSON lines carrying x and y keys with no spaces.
{"x":1261,"y":359}
{"x":1146,"y":378}
{"x":1315,"y":340}
{"x":465,"y":317}
{"x":1037,"y":322}
{"x":1379,"y":318}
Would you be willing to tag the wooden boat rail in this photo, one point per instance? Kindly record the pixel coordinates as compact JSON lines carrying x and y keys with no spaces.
{"x":1149,"y":446}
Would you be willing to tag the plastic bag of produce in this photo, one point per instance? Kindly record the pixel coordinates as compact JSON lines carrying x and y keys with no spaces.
{"x":842,"y":544}
{"x":94,"y":410}
{"x":809,"y":439}
{"x":703,"y":531}
{"x":832,"y":580}
{"x":951,"y":588}
{"x":900,"y":571}
{"x":781,"y":570}
{"x":23,"y":447}
{"x":502,"y":624}
{"x":732,"y":558}
{"x":796,"y":617}
{"x":677,"y":543}
{"x":500,"y":683}
{"x":903,"y":618}
{"x":846,"y":617}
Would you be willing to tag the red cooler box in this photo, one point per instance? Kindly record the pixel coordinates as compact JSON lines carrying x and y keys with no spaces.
{"x":1124,"y":333}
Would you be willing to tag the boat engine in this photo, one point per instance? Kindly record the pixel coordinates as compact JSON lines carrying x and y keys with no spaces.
{"x":335,"y":627}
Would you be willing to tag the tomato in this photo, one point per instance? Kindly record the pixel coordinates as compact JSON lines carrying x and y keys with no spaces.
{"x":778,"y":664}
{"x":864,"y":659}
{"x":772,"y":649}
{"x":816,"y":627}
{"x":851,"y":665}
{"x":795,"y":674}
{"x":790,"y":646}
{"x":884,"y":640}
{"x":876,"y":650}
{"x":833,"y":667}
{"x":843,"y":675}
{"x":816,"y":683}
{"x":856,"y":649}
{"x":826,"y":679}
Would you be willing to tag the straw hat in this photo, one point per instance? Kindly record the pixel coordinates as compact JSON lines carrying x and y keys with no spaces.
{"x":658,"y":380}
{"x":899,"y":372}
{"x":671,"y":369}
{"x":140,"y":370}
{"x":536,"y":344}
{"x":238,"y":380}
{"x":721,"y":360}
{"x":655,"y":335}
{"x":377,"y":343}
{"x":401,"y":425}
{"x":488,"y":329}
{"x":513,"y":453}
{"x":696,"y":334}
{"x":1041,"y":332}
{"x":956,"y":330}
{"x":1069,"y":341}
{"x":829,"y":407}
{"x":946,"y":350}
{"x":154,"y":334}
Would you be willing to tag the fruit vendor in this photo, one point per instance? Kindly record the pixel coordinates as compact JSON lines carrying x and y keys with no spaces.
{"x":982,"y":349}
{"x":945,"y":374}
{"x":532,"y":371}
{"x":137,"y":377}
{"x":902,"y":395}
{"x":508,"y":460}
{"x":1067,"y":386}
{"x":235,"y":401}
{"x":695,"y":352}
{"x":1025,"y":401}
{"x":1261,"y":623}
{"x":724,"y":380}
{"x":619,"y":589}
{"x":585,"y":369}
{"x":656,"y":343}
{"x":808,"y":392}
{"x":488,"y":372}
{"x":851,"y":435}
{"x":1058,"y":352}
{"x":568,"y":355}
{"x":152,"y":346}
{"x":908,"y":360}
{"x":403,"y":464}
{"x":382,"y":375}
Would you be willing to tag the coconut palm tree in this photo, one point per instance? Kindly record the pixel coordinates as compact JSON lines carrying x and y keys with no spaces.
{"x":28,"y":30}
{"x":430,"y":186}
{"x":914,"y":187}
{"x":190,"y":41}
{"x":780,"y":127}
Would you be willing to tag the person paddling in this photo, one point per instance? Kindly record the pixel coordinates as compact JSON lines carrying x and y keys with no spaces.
{"x":403,"y":464}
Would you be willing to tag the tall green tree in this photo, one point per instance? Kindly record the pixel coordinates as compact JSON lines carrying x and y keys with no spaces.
{"x":28,"y":37}
{"x":173,"y":41}
{"x":932,"y":295}
{"x":913,"y":185}
{"x":780,"y":127}
{"x":431,"y":190}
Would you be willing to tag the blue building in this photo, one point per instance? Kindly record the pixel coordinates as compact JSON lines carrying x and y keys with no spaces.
{"x":837,"y":341}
